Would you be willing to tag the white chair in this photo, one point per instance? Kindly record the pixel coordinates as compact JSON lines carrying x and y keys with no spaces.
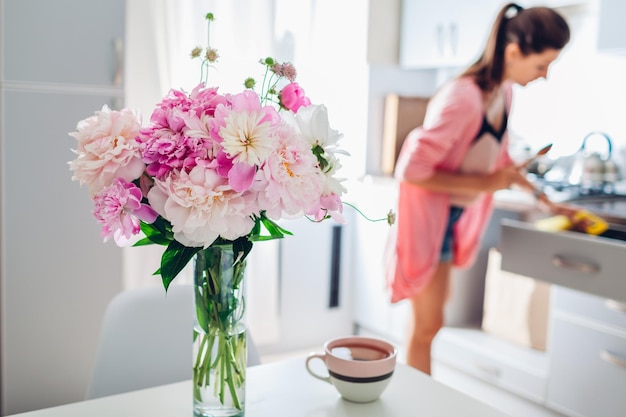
{"x":146,"y":340}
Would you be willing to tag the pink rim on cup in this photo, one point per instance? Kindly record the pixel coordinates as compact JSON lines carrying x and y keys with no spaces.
{"x":359,"y":367}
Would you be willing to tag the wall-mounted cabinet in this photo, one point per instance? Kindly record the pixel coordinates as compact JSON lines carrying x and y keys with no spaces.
{"x":611,"y":28}
{"x":552,"y":3}
{"x":446,"y":33}
{"x":452,"y":33}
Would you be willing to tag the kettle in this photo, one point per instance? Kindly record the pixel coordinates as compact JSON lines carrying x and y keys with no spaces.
{"x":591,"y":169}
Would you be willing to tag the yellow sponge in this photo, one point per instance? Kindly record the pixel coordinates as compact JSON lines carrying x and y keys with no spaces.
{"x":582,"y":221}
{"x":553,"y":224}
{"x":590,"y":223}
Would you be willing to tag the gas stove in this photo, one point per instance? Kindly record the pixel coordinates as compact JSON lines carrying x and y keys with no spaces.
{"x":607,"y":201}
{"x":564,"y":191}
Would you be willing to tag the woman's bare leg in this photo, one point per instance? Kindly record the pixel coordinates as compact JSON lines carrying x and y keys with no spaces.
{"x":427,"y":318}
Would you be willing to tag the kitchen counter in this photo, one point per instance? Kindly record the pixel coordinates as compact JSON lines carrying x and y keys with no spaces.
{"x":515,"y":200}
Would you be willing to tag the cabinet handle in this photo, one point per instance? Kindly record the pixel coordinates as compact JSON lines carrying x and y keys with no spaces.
{"x":615,"y":306}
{"x":578,"y":266}
{"x":335,"y":267}
{"x":441,"y":40}
{"x":491,"y":370}
{"x":613,"y":358}
{"x":454,"y":38}
{"x":118,"y":50}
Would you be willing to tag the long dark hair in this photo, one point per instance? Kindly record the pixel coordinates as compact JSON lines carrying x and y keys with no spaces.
{"x":534,"y":29}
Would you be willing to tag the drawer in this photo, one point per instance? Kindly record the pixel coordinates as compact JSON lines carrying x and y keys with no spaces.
{"x":591,"y":264}
{"x":587,"y":371}
{"x":516,"y":369}
{"x":589,"y":307}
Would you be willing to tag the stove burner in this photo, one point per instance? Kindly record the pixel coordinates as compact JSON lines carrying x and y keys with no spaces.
{"x":606,"y":189}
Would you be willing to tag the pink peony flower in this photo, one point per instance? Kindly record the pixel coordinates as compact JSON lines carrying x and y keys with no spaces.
{"x":247,"y":133}
{"x":205,"y":100}
{"x":178,"y":135}
{"x":201,"y":206}
{"x":119,"y":208}
{"x":107,"y":149}
{"x":328,"y":205}
{"x":292,"y":97}
{"x":290,"y":182}
{"x":175,"y":99}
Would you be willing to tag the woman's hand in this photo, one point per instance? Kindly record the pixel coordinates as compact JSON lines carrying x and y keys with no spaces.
{"x":504,"y":178}
{"x":562,"y":209}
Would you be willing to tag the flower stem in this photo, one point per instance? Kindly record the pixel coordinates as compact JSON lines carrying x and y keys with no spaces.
{"x":220,"y":344}
{"x":389,"y":218}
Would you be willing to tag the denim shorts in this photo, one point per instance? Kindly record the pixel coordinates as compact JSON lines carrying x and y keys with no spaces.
{"x":446,"y":247}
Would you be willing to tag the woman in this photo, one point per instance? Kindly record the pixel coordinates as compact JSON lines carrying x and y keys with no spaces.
{"x":450,"y":167}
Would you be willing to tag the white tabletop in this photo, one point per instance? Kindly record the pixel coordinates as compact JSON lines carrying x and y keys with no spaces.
{"x":286,"y":389}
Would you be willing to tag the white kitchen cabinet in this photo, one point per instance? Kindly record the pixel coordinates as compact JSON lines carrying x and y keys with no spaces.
{"x":497,"y":397}
{"x":552,"y":3}
{"x":592,"y":264}
{"x":445,"y":33}
{"x":63,"y":41}
{"x":587,"y":356}
{"x":372,"y":310}
{"x":611,"y":28}
{"x":587,"y":336}
{"x":504,"y":364}
{"x":56,"y":274}
{"x":311,"y":300}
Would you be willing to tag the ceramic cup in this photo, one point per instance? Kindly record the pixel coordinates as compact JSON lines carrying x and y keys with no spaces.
{"x":359,"y":367}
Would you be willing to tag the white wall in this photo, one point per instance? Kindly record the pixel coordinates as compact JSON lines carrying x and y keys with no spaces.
{"x":586,"y":91}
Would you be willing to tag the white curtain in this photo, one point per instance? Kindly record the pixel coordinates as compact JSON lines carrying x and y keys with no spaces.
{"x":160,"y":36}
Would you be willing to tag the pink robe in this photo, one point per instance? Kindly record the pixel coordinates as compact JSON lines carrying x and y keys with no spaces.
{"x":452,"y":121}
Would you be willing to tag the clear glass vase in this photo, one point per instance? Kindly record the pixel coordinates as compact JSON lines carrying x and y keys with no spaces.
{"x":219,"y":338}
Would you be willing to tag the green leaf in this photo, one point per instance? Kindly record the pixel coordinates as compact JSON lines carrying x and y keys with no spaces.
{"x":264,"y":238}
{"x":174,"y":259}
{"x":256,"y":230}
{"x":241,"y":248}
{"x":318,"y":151}
{"x":274,"y":229}
{"x":159,"y":232}
{"x":144,"y":242}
